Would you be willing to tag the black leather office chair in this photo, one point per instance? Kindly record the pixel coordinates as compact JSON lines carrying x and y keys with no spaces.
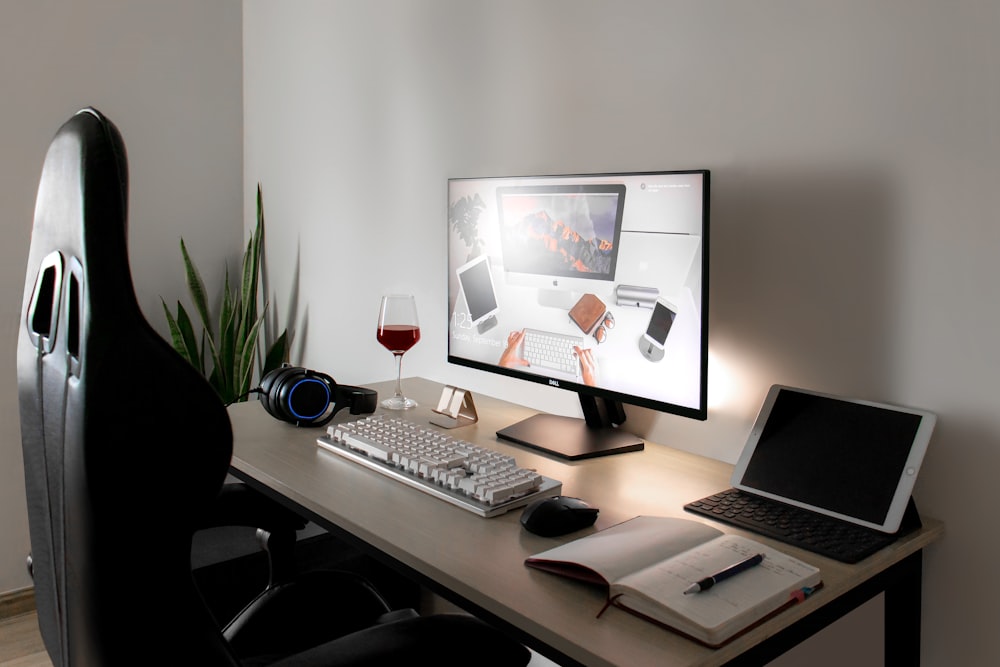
{"x":126,"y":448}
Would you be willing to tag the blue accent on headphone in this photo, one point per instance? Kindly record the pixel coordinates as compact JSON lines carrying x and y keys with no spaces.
{"x":326,"y":404}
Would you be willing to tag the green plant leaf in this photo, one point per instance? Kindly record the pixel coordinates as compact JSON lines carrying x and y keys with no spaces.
{"x":251,"y":270}
{"x":227,"y":326}
{"x":196,"y":287}
{"x":246,"y":361}
{"x":192,"y":352}
{"x":218,"y":367}
{"x":248,"y":294}
{"x":277,"y":354}
{"x":224,"y":392}
{"x":182,"y":336}
{"x":175,"y":333}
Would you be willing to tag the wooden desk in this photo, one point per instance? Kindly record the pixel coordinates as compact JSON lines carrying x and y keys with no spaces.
{"x":478,"y":563}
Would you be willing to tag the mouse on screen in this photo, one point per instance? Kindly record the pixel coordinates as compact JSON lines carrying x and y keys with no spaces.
{"x":558,"y":515}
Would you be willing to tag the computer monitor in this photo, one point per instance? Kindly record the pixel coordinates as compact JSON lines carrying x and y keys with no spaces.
{"x":619,"y":261}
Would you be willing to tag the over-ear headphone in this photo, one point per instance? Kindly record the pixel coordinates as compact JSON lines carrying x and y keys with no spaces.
{"x":309,"y":398}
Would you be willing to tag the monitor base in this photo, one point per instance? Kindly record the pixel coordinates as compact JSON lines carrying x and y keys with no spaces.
{"x":570,"y":437}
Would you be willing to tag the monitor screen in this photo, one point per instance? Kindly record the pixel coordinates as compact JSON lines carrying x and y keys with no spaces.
{"x":611,"y":267}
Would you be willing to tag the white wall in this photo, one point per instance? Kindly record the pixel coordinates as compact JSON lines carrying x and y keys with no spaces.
{"x":854,"y":150}
{"x":169,"y":75}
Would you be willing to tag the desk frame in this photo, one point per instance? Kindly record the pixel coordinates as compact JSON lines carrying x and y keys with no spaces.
{"x":900,"y":581}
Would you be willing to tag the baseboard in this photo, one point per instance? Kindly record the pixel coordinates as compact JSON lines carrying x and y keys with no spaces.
{"x":15,"y":603}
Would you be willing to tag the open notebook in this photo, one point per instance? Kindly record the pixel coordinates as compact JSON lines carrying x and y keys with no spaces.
{"x":647,"y":563}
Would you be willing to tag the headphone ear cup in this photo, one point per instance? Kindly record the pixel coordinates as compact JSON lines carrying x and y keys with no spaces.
{"x":297,"y":395}
{"x":270,"y":388}
{"x":308,"y":398}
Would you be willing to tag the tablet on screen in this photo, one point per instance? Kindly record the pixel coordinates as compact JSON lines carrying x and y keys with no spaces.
{"x":476,"y":282}
{"x":851,"y":459}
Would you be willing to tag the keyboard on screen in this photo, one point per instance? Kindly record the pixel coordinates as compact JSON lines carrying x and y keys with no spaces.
{"x":552,"y":351}
{"x":477,"y":479}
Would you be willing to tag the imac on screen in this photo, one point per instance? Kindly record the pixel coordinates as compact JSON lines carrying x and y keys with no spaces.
{"x":614,"y":267}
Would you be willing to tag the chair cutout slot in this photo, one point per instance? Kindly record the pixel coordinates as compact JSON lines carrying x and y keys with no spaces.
{"x":73,"y":317}
{"x":43,"y":313}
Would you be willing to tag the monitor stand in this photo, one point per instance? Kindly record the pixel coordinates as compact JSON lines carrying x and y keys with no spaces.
{"x":597,"y":434}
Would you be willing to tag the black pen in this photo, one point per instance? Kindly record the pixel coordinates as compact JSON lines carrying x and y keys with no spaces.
{"x":708,"y":582}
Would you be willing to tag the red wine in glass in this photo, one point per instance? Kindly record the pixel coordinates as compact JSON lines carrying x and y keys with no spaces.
{"x":398,"y":337}
{"x":398,"y":331}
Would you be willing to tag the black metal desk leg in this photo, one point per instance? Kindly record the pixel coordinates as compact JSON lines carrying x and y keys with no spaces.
{"x":902,"y":614}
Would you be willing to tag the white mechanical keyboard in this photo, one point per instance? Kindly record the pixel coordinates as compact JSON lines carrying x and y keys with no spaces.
{"x":474,"y":478}
{"x":554,"y":351}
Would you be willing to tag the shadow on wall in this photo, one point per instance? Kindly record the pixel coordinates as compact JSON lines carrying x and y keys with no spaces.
{"x":802,"y":266}
{"x":803,"y":271}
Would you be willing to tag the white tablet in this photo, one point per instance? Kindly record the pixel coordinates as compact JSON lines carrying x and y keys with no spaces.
{"x":851,"y":459}
{"x":476,"y":282}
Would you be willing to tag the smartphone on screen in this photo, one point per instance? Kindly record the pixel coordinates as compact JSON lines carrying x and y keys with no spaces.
{"x":655,"y":338}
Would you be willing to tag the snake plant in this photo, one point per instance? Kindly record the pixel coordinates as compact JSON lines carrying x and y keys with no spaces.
{"x":232,"y":342}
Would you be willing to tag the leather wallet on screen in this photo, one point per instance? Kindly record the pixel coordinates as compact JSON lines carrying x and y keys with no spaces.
{"x":587,"y":312}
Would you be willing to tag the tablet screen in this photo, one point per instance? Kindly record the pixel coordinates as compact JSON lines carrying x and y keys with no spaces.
{"x":855,"y":460}
{"x":477,"y":285}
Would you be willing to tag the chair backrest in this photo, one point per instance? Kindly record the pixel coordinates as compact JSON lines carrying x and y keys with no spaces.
{"x":124,"y":443}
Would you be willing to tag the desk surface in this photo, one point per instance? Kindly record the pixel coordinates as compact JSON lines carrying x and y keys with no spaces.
{"x":480,"y":562}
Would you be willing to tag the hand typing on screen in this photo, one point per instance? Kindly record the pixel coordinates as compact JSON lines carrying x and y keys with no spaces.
{"x":510,"y":358}
{"x":588,"y":367}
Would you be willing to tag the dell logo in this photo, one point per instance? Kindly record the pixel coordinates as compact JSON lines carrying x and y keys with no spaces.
{"x":554,"y":383}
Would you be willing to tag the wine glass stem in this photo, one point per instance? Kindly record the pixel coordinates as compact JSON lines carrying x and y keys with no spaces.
{"x":399,"y":375}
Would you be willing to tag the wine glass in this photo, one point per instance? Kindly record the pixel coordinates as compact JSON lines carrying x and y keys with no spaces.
{"x":398,"y":331}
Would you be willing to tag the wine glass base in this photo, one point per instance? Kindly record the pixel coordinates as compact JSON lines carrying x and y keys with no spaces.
{"x":399,"y":403}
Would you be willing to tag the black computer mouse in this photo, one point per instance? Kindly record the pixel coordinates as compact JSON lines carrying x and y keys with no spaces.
{"x":557,"y":515}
